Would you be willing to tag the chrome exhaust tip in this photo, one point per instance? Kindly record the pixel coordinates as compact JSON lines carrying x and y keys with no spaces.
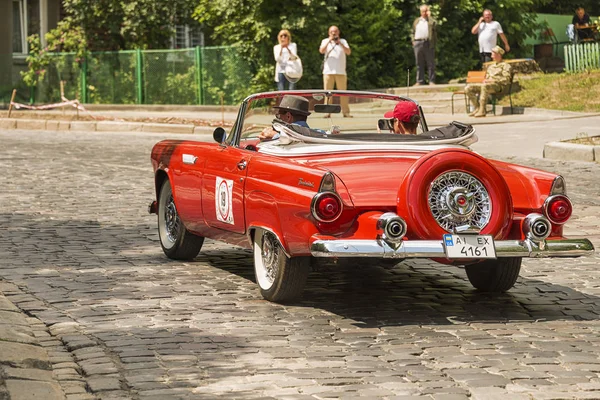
{"x":394,"y":227}
{"x":536,"y":227}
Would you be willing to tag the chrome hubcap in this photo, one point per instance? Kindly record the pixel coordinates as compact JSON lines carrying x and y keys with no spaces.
{"x":171,"y":220}
{"x":270,"y":258}
{"x":459,"y":201}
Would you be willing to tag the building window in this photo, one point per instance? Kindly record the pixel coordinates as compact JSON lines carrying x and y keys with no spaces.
{"x":186,"y":37}
{"x":19,"y":43}
{"x":26,"y":21}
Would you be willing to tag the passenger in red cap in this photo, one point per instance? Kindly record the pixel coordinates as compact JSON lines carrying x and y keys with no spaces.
{"x":406,"y":117}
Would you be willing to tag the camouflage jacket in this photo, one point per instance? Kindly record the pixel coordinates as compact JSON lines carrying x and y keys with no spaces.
{"x":499,"y":72}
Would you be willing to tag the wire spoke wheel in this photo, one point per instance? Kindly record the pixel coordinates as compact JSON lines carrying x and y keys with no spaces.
{"x":270,"y":260}
{"x":279,"y":277}
{"x":176,"y":241}
{"x":172,"y":220}
{"x":458,"y":199}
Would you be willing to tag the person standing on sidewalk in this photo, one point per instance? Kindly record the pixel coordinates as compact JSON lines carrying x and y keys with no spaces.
{"x":424,"y":37}
{"x":283,"y":52}
{"x":488,"y":31}
{"x":335,"y":49}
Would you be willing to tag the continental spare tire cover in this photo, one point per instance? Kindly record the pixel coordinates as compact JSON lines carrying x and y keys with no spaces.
{"x":454,"y":188}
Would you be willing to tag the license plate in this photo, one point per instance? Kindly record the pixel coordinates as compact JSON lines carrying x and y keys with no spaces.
{"x":469,"y":246}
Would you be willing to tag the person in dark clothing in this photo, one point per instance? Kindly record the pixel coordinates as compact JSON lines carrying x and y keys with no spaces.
{"x":291,"y":110}
{"x":581,"y":20}
{"x":424,"y":36}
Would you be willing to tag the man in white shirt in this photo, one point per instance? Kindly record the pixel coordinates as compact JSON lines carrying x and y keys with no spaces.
{"x":488,"y":32}
{"x":424,"y":35}
{"x":335,"y":49}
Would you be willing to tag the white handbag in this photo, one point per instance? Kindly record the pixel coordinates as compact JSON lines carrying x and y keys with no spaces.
{"x":293,"y":69}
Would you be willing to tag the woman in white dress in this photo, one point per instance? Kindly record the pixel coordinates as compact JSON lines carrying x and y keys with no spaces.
{"x":282,"y":53}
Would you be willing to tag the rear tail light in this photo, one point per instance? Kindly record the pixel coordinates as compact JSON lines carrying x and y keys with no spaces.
{"x":558,"y":209}
{"x":326,"y":207}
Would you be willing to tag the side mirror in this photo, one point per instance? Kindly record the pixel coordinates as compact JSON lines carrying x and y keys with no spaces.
{"x":219,"y":135}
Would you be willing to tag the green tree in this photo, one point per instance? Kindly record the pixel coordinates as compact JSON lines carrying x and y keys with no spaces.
{"x":567,"y":7}
{"x":133,"y":24}
{"x":378,"y":32}
{"x":458,"y":48}
{"x":66,"y":37}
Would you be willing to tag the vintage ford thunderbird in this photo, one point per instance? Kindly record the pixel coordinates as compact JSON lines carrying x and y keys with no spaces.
{"x":351,"y":188}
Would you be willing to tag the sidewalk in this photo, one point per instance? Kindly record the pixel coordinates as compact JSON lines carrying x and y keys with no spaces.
{"x":146,"y":118}
{"x":529,"y":132}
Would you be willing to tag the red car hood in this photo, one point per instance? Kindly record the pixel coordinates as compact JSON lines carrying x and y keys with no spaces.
{"x":371,"y":179}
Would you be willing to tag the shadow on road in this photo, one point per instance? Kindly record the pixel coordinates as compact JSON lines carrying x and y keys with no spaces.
{"x":78,"y":256}
{"x":424,"y":292}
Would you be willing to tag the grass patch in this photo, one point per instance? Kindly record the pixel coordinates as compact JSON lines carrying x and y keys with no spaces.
{"x":583,"y":138}
{"x":563,"y":91}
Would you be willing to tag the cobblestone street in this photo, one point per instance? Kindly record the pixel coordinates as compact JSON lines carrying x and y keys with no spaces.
{"x":80,"y":253}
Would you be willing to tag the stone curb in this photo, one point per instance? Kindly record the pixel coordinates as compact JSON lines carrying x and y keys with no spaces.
{"x":161,"y":107}
{"x":572,"y":151}
{"x":102,"y":126}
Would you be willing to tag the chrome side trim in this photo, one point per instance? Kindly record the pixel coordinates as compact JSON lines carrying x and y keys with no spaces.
{"x":435,"y":249}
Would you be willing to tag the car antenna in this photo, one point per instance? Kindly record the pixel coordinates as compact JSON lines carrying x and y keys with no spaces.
{"x":407,"y":80}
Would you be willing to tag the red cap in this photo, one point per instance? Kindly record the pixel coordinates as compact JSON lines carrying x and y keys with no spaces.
{"x":405,"y":111}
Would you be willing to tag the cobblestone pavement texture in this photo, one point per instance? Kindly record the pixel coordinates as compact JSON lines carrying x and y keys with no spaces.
{"x":80,"y":258}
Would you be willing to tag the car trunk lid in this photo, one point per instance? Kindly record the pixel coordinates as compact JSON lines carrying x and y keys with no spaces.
{"x":371,"y":179}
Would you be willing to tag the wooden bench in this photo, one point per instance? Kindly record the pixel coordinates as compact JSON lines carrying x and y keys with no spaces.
{"x":478,"y":77}
{"x":472,"y":77}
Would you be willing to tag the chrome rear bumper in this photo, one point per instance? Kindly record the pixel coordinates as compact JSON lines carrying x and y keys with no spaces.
{"x":435,"y":249}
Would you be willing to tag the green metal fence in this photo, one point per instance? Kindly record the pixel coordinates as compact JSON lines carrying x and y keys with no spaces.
{"x":200,"y":75}
{"x":582,"y":56}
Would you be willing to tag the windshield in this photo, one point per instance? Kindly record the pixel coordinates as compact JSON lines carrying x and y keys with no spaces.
{"x":333,"y":117}
{"x":326,"y":115}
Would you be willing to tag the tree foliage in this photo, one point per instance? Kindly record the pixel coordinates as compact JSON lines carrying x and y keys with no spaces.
{"x":129,"y":24}
{"x":378,"y":32}
{"x":66,"y":37}
{"x":567,"y":7}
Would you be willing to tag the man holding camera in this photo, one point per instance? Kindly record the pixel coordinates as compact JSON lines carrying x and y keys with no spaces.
{"x":335,"y":49}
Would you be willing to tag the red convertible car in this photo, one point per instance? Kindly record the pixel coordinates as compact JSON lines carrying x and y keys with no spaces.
{"x":297,"y":181}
